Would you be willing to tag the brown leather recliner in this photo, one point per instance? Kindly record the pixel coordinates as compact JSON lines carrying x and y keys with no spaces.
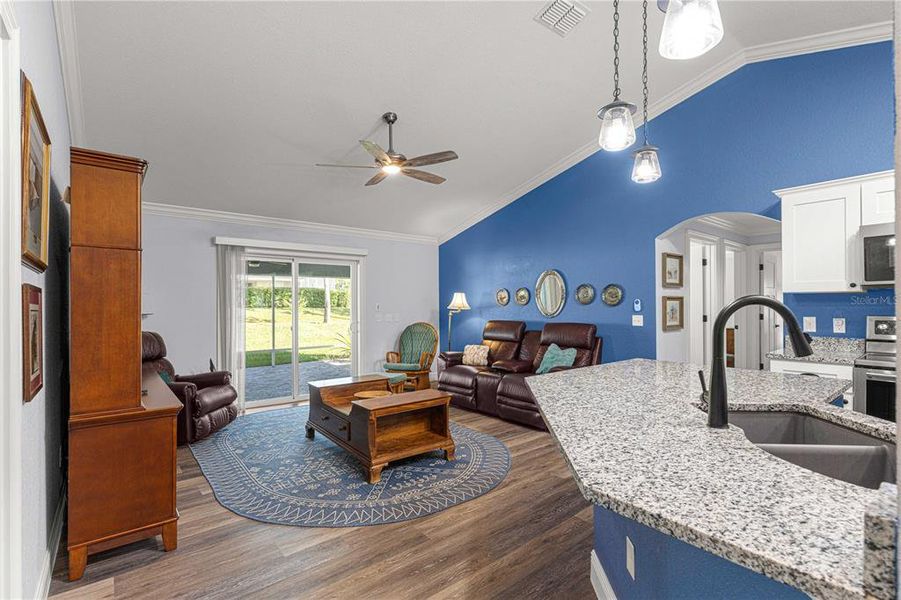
{"x":459,"y":380}
{"x":514,"y":399}
{"x":499,"y":389}
{"x":208,"y":398}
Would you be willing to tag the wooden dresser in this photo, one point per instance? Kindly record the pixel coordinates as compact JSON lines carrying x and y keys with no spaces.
{"x":121,"y":419}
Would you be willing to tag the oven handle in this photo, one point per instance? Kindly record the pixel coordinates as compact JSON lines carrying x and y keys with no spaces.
{"x":876,"y":376}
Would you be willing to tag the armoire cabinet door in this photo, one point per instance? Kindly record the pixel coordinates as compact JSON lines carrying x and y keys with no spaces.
{"x":818,"y":239}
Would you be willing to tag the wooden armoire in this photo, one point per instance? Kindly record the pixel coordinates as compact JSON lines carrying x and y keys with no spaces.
{"x":121,"y":419}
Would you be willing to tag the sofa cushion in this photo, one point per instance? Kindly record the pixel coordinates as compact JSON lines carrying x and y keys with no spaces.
{"x":513,"y":389}
{"x":580,"y":336}
{"x":512,"y":366}
{"x":531,"y":343}
{"x":556,"y":357}
{"x":502,"y":339}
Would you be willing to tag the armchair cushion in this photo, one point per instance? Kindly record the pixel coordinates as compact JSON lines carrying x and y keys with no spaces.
{"x":212,"y":398}
{"x":402,"y":366}
{"x":556,"y":357}
{"x":513,"y":366}
{"x":417,"y":339}
{"x":204,"y":380}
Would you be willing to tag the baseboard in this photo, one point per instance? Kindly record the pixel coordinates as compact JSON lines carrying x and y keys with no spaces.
{"x":602,"y":588}
{"x":53,"y":539}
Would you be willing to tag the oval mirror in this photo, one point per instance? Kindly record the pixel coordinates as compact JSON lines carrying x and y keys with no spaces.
{"x":550,"y":293}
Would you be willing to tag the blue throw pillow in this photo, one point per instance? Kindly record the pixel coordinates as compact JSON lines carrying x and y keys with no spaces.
{"x":555,"y":357}
{"x":164,"y":375}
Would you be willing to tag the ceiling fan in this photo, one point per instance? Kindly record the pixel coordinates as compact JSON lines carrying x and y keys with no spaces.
{"x":392,"y":163}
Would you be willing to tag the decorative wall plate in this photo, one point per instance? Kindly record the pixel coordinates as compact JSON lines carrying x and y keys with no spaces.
{"x":502,"y":296}
{"x":612,"y":295}
{"x":585,"y":293}
{"x":522,"y":296}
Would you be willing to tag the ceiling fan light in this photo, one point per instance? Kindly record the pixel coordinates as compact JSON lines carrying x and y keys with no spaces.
{"x":646,"y":168}
{"x":617,"y":126}
{"x":390,"y":169}
{"x":690,"y":28}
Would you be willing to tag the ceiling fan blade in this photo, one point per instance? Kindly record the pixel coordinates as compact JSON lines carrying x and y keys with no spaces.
{"x":376,"y":150}
{"x":377,"y":178}
{"x":431,"y":159}
{"x":423,"y":176}
{"x":348,"y":166}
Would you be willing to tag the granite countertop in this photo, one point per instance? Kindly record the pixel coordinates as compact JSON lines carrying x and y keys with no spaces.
{"x":837,"y":351}
{"x":638,"y":444}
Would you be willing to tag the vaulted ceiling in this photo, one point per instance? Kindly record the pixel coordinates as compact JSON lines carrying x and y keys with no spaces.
{"x":233,"y":103}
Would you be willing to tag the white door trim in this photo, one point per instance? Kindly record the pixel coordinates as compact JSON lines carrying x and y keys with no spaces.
{"x":10,"y":309}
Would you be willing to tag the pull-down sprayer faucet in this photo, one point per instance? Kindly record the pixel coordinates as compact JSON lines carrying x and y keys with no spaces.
{"x":718,"y":406}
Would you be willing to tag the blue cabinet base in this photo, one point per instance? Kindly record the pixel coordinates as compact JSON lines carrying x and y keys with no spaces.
{"x":667,"y":568}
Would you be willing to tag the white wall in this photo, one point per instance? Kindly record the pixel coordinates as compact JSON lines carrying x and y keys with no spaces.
{"x":43,"y":426}
{"x":179,"y":284}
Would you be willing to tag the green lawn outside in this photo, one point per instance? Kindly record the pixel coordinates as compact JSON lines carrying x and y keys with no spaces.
{"x":332,"y":337}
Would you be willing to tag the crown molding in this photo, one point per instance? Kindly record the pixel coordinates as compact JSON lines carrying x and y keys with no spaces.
{"x":221,"y":216}
{"x":66,"y":35}
{"x":822,"y":185}
{"x":834,"y":40}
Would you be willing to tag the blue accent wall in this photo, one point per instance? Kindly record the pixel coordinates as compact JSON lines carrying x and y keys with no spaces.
{"x":853,"y":307}
{"x":769,"y":125}
{"x":667,"y":568}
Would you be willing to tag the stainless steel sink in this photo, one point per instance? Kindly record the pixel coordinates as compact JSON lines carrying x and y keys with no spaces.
{"x":820,"y":446}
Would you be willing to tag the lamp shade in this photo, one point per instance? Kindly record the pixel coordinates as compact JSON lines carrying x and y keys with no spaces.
{"x":458,"y":302}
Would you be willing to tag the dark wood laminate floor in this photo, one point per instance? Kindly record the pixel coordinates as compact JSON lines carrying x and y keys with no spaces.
{"x":528,"y":538}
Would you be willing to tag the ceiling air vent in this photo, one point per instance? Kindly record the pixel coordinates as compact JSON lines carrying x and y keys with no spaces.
{"x":561,"y":16}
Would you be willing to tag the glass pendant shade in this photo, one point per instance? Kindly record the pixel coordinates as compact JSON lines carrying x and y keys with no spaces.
{"x":691,"y":28}
{"x":647,"y":165}
{"x":617,"y":127}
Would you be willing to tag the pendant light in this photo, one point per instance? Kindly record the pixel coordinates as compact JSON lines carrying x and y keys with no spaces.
{"x":617,"y":128}
{"x":647,"y":164}
{"x":691,"y":28}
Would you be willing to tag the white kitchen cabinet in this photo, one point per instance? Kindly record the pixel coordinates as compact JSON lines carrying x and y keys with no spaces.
{"x":877,"y":201}
{"x":818,"y":232}
{"x":820,"y":225}
{"x":828,"y":370}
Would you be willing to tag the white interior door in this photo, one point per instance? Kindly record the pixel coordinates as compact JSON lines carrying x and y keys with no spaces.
{"x":771,"y":325}
{"x":702,"y":295}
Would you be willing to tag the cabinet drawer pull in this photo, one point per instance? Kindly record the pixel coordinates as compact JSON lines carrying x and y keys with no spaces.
{"x":325,"y":417}
{"x":342,"y":428}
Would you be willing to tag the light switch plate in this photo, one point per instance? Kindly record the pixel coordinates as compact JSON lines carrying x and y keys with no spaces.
{"x":810,"y":324}
{"x":838,"y":325}
{"x":637,"y":320}
{"x":630,"y":558}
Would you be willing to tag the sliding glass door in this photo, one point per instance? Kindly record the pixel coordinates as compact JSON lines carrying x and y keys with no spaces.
{"x":300,"y":325}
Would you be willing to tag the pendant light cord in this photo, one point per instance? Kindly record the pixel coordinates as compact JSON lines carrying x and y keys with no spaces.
{"x":615,"y":50}
{"x":644,"y":73}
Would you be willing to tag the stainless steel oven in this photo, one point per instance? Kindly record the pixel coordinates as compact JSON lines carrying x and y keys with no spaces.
{"x":877,"y":254}
{"x":874,"y":372}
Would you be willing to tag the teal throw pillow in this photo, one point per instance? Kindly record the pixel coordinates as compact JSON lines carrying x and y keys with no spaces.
{"x":555,"y":357}
{"x":165,"y":376}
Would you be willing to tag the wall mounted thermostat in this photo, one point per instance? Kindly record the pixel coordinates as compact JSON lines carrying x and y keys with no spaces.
{"x":636,"y":305}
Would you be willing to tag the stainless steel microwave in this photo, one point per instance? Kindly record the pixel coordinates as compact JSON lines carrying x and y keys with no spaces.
{"x":877,"y":254}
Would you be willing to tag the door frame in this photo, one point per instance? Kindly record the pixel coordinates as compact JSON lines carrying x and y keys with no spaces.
{"x":356,"y":264}
{"x":10,"y":308}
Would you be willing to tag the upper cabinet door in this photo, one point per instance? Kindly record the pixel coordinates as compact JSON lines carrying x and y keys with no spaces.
{"x":819,"y":228}
{"x":877,"y":201}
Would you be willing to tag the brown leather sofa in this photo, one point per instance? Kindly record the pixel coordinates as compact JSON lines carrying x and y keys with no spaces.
{"x":208,"y":398}
{"x":500,"y":389}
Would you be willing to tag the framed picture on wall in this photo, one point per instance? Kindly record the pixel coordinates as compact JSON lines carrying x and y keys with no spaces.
{"x":672,"y":313}
{"x":671,"y":270}
{"x":32,"y":341}
{"x":35,"y":181}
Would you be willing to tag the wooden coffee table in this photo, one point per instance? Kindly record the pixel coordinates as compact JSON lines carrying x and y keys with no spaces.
{"x":379,"y":430}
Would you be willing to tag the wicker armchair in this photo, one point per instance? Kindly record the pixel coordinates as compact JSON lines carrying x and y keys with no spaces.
{"x":417,"y":347}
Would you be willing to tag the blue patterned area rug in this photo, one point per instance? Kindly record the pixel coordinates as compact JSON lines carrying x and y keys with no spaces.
{"x":263,"y":467}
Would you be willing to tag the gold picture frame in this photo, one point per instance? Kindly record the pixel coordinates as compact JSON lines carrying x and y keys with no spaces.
{"x":671,"y":269}
{"x":35,"y":181}
{"x":672,"y":316}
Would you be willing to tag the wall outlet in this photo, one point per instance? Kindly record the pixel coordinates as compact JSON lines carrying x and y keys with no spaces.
{"x":810,"y":324}
{"x":630,"y":558}
{"x":838,"y":325}
{"x":637,"y":320}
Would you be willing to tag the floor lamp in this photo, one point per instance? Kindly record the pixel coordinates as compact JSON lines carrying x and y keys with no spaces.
{"x":457,"y":304}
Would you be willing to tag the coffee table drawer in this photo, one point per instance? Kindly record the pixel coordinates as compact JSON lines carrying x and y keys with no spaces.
{"x":335,"y":425}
